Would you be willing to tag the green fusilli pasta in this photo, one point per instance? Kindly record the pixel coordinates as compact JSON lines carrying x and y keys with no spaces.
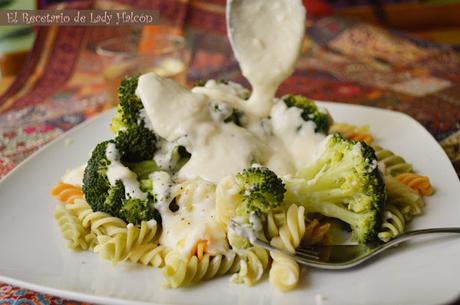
{"x":393,"y":223}
{"x":391,"y":164}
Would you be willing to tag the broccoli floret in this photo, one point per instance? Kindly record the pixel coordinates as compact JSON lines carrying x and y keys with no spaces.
{"x":130,"y":103}
{"x":136,"y":210}
{"x":136,"y":143}
{"x":112,"y":199}
{"x":261,"y":190}
{"x":96,"y":185}
{"x":117,"y":121}
{"x":344,"y":183}
{"x":310,"y":112}
{"x":143,"y":169}
{"x":134,"y":140}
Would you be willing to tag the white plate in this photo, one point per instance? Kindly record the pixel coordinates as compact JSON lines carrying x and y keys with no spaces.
{"x":33,"y":253}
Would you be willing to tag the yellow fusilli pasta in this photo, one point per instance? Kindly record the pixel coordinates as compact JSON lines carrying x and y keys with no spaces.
{"x":252,"y":264}
{"x":417,"y":182}
{"x":118,"y":247}
{"x":391,"y":164}
{"x":182,"y":271}
{"x":72,"y":229}
{"x":100,"y":223}
{"x":284,"y":273}
{"x":353,"y":132}
{"x":66,"y":193}
{"x":292,"y":230}
{"x":150,"y":254}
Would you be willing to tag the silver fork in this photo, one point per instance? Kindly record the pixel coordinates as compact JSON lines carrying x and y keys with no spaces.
{"x":338,"y":257}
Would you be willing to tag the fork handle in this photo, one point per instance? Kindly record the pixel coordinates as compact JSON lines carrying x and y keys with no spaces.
{"x":410,"y":234}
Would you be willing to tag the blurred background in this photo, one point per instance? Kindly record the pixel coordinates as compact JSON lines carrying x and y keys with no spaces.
{"x":394,"y":54}
{"x":434,"y":20}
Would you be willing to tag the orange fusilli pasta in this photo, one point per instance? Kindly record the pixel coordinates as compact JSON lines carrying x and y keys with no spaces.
{"x":416,"y":182}
{"x":353,"y":132}
{"x":66,"y":192}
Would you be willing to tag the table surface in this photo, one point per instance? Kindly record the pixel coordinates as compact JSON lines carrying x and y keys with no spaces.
{"x":344,"y":61}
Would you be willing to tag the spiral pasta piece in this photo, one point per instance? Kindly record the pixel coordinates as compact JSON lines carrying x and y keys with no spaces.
{"x":292,"y":231}
{"x":118,"y":247}
{"x":100,"y":223}
{"x":416,"y":182}
{"x":316,"y":233}
{"x":353,"y":132}
{"x":150,"y":254}
{"x":182,"y":271}
{"x":391,"y":164}
{"x":406,"y":199}
{"x":72,"y":229}
{"x":284,"y":273}
{"x":66,"y":193}
{"x":252,"y":264}
{"x":393,"y":223}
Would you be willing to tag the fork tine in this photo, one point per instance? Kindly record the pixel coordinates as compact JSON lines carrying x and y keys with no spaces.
{"x":308,"y":256}
{"x":308,"y":251}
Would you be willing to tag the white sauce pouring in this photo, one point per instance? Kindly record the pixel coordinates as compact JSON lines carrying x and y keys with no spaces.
{"x":266,"y":37}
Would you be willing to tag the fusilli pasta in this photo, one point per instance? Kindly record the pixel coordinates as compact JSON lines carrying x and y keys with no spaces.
{"x":66,"y":192}
{"x":353,"y":132}
{"x":284,"y":273}
{"x":316,"y":233}
{"x":72,"y":229}
{"x":393,"y":223}
{"x":181,"y":271}
{"x":100,"y":223}
{"x":118,"y":247}
{"x":252,"y":264}
{"x":391,"y":164}
{"x":406,"y":199}
{"x":417,"y":182}
{"x":150,"y":254}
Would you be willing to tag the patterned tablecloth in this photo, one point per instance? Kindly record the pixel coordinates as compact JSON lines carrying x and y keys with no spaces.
{"x":343,"y":61}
